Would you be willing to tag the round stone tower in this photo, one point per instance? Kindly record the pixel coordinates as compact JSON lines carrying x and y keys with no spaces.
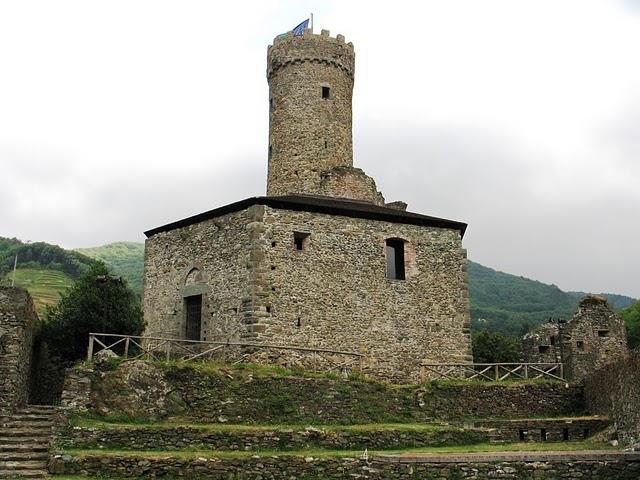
{"x":310,"y":91}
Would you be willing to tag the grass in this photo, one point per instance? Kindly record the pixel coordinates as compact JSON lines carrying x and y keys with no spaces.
{"x":322,"y":453}
{"x":45,"y":286}
{"x":223,"y":427}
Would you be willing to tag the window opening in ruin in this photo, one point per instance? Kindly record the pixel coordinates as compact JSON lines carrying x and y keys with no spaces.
{"x":325,"y":144}
{"x":298,"y":322}
{"x":565,"y":434}
{"x":268,"y":308}
{"x":270,"y":151}
{"x":395,"y":259}
{"x":522,"y":435}
{"x":580,"y":345}
{"x":603,"y":333}
{"x":544,"y":348}
{"x":543,"y":434}
{"x":193,"y":307}
{"x":273,"y":267}
{"x":326,"y":92}
{"x":552,"y":340}
{"x":585,"y":433}
{"x":273,"y":244}
{"x":300,"y":240}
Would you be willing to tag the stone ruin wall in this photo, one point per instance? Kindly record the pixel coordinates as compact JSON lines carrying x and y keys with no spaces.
{"x":594,"y":337}
{"x":615,"y":391}
{"x":334,"y":294}
{"x":542,"y":345}
{"x":18,"y":325}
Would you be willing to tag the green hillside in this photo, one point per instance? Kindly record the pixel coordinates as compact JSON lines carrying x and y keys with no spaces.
{"x":44,"y":285}
{"x":512,"y":304}
{"x":123,"y":258}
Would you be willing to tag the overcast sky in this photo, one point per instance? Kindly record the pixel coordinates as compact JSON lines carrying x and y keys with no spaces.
{"x":519,"y":117}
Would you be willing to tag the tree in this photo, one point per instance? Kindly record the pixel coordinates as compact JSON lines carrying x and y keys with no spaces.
{"x":96,"y":303}
{"x":631,"y":317}
{"x":495,"y":348}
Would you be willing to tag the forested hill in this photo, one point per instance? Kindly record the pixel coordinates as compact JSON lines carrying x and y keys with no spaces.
{"x":499,"y":301}
{"x":41,"y":255}
{"x":513,"y":305}
{"x":123,"y":258}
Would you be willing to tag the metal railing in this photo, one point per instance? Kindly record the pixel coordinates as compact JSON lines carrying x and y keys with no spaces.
{"x":493,"y":372}
{"x":158,"y":348}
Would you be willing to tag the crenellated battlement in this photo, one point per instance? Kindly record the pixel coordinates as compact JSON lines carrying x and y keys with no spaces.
{"x":320,"y":48}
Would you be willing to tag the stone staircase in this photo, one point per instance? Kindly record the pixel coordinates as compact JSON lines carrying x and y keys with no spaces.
{"x":25,"y":438}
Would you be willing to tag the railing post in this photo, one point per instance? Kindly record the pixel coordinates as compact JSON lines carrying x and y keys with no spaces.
{"x":497,"y":369}
{"x":126,"y":347}
{"x":526,"y":371}
{"x":90,"y":350}
{"x":168,"y":351}
{"x":561,"y":366}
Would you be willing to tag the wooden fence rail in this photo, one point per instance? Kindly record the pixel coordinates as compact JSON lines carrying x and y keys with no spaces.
{"x":493,"y":372}
{"x":160,"y":348}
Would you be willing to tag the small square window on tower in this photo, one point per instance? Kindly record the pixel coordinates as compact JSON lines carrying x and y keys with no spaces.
{"x":301,"y":240}
{"x":326,"y":92}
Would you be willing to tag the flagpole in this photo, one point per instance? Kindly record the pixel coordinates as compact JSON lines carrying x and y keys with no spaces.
{"x":15,"y":265}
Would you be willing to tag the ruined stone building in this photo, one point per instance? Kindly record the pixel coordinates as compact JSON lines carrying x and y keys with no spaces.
{"x":321,"y":261}
{"x":594,"y":337}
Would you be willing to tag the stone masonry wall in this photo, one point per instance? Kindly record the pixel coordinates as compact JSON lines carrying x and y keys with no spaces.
{"x":332,"y":294}
{"x":211,"y":258}
{"x":335,"y":294}
{"x":603,"y":467}
{"x":171,"y":438}
{"x":542,"y":345}
{"x":148,"y":391}
{"x":615,"y":391}
{"x":594,"y":337}
{"x":18,"y":325}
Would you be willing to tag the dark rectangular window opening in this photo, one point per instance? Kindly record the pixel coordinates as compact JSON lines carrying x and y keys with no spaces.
{"x":580,"y":345}
{"x":193,"y":307}
{"x":603,"y":333}
{"x":552,"y":340}
{"x":395,"y":259}
{"x":522,"y":435}
{"x":543,"y":434}
{"x":544,"y":349}
{"x":326,"y":92}
{"x":325,"y":144}
{"x":585,"y":433}
{"x":300,"y":240}
{"x":565,"y":434}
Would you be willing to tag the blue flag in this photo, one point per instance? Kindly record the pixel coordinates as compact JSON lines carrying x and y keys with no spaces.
{"x":299,"y":30}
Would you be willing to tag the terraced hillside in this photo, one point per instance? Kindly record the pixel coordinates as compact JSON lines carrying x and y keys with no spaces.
{"x":44,"y":285}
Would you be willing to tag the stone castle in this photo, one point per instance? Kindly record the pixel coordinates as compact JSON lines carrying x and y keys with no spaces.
{"x":321,"y":261}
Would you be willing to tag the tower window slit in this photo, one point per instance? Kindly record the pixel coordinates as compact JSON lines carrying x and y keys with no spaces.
{"x":326,"y":92}
{"x":395,"y":259}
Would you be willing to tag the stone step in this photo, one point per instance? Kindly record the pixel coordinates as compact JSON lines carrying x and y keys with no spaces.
{"x":27,"y":417}
{"x":32,"y":473}
{"x":17,"y":466}
{"x":24,"y":447}
{"x":23,"y":424}
{"x":14,"y":432}
{"x":24,"y":439}
{"x":23,"y":456}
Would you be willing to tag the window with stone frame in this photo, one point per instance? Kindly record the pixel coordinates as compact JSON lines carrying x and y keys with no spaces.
{"x":394,"y":249}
